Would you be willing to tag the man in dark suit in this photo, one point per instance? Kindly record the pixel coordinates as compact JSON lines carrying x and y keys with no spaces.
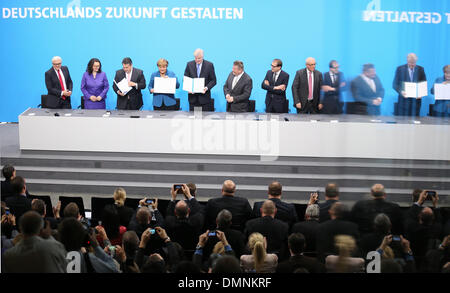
{"x":331,"y":197}
{"x":368,"y":90}
{"x":9,"y":172}
{"x":132,"y":100}
{"x":285,"y":211}
{"x":275,"y":83}
{"x":364,"y":211}
{"x":306,"y":88}
{"x":18,"y":203}
{"x":59,"y":85}
{"x":410,"y":72}
{"x":309,"y":227}
{"x":296,"y":243}
{"x":237,"y":89}
{"x":275,"y":231}
{"x":200,"y":68}
{"x":336,"y":226}
{"x":190,"y":200}
{"x":238,"y":206}
{"x":333,"y":82}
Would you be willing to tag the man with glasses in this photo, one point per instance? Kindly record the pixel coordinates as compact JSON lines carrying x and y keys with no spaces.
{"x":306,"y":88}
{"x":275,"y":83}
{"x":333,"y":82}
{"x":59,"y":85}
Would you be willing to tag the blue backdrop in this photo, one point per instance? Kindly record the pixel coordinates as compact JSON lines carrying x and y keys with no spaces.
{"x":289,"y":30}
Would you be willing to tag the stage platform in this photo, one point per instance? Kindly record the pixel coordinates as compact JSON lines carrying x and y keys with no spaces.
{"x":98,"y":173}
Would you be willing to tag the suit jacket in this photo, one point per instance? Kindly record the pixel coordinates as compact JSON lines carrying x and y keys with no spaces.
{"x":285,"y":211}
{"x":184,"y":231}
{"x":241,"y":92}
{"x":324,"y":208}
{"x":207,"y":71}
{"x":238,"y":206}
{"x":309,"y":230}
{"x":402,"y":75}
{"x":6,"y":189}
{"x":328,"y":230}
{"x":336,"y":85}
{"x":235,"y":238}
{"x":193,"y":204}
{"x":300,"y":261}
{"x":274,"y":230}
{"x":363,"y":93}
{"x":364,"y":212}
{"x":54,"y":86}
{"x":134,"y":95}
{"x":275,"y":95}
{"x":300,"y":88}
{"x":18,"y":205}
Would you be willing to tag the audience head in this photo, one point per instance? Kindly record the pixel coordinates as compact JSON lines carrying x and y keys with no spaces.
{"x":310,"y":64}
{"x":296,"y":243}
{"x":226,"y":264}
{"x":31,"y":224}
{"x":9,"y":172}
{"x":38,"y":205}
{"x":154,"y":264}
{"x":390,"y":266}
{"x":382,"y":224}
{"x":338,"y":211}
{"x":130,"y":242}
{"x":228,"y":188}
{"x":111,"y":221}
{"x":143,"y":216}
{"x":224,"y":219}
{"x":186,"y":267}
{"x":94,"y":65}
{"x":192,"y":188}
{"x":369,"y":70}
{"x":182,"y":210}
{"x":120,"y":195}
{"x":377,"y":191}
{"x":72,"y":234}
{"x":18,"y":185}
{"x":257,"y":245}
{"x":312,"y":212}
{"x":56,"y":62}
{"x":332,"y":191}
{"x":345,"y":245}
{"x":426,"y":216}
{"x":275,"y":189}
{"x":268,"y":209}
{"x":71,"y":211}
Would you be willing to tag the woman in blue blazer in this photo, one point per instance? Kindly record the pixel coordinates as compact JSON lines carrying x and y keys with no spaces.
{"x":162,"y":101}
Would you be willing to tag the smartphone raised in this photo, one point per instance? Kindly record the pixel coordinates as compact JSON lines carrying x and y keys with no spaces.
{"x":179,"y":188}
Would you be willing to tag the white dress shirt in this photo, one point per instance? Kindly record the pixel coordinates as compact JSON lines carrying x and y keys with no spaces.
{"x":370,"y":82}
{"x":236,"y":79}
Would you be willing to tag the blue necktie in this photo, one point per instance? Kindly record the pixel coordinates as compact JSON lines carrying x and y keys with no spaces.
{"x":198,"y":70}
{"x":411,"y":75}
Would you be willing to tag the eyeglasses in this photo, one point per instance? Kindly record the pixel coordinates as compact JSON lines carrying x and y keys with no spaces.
{"x":275,"y":65}
{"x":56,"y":64}
{"x":311,"y":64}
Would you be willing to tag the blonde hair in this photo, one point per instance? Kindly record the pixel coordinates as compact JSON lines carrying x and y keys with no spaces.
{"x":219,"y":248}
{"x":162,"y":62}
{"x":345,"y":245}
{"x":256,"y":245}
{"x":388,"y":253}
{"x":119,"y":196}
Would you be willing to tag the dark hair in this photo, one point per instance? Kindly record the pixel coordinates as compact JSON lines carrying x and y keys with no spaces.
{"x":38,"y":206}
{"x":368,"y":66}
{"x":186,"y":267}
{"x":8,"y":171}
{"x":330,"y":65}
{"x":127,"y":60}
{"x":416,"y":194}
{"x":31,"y":223}
{"x":296,"y":242}
{"x":239,"y":64}
{"x":192,"y":188}
{"x":71,"y":210}
{"x":275,"y":188}
{"x":427,"y":218}
{"x":224,"y":218}
{"x":226,"y":264}
{"x":90,"y":65}
{"x":111,"y":221}
{"x":279,"y":62}
{"x":340,"y":210}
{"x":130,"y":243}
{"x":154,"y":265}
{"x":18,"y":184}
{"x":72,"y":234}
{"x":332,"y":190}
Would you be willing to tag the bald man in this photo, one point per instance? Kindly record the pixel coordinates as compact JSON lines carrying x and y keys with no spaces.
{"x":306,"y":88}
{"x":410,"y":72}
{"x":238,"y":206}
{"x":200,"y":68}
{"x":59,"y":85}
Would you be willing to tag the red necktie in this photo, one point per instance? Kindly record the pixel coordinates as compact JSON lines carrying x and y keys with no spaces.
{"x":310,"y":96}
{"x":62,"y":84}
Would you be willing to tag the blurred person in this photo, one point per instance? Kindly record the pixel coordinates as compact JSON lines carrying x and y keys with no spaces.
{"x":94,"y":85}
{"x":162,"y":101}
{"x":111,"y":224}
{"x":382,"y":227}
{"x":226,"y":264}
{"x":441,"y":108}
{"x":40,"y":207}
{"x":19,"y":203}
{"x":308,"y":228}
{"x":344,"y":263}
{"x":259,"y":261}
{"x":221,"y":247}
{"x":8,"y":172}
{"x":368,"y":90}
{"x":306,"y":88}
{"x":333,"y":83}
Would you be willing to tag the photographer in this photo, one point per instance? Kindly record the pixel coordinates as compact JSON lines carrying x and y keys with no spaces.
{"x":420,"y":197}
{"x":146,"y":216}
{"x":9,"y":229}
{"x":188,"y":191}
{"x":401,"y":246}
{"x":222,"y":247}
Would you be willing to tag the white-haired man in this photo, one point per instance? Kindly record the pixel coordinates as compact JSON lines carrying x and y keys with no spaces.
{"x":306,"y":88}
{"x":59,"y":85}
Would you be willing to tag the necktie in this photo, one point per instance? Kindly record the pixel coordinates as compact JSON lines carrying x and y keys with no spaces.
{"x":274,"y":77}
{"x":332,"y":79}
{"x":411,"y":75}
{"x":234,"y":82}
{"x":61,"y":83}
{"x":198,"y":70}
{"x":310,"y":95}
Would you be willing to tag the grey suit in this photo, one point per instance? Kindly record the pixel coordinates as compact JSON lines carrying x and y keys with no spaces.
{"x":35,"y":255}
{"x":240,"y":93}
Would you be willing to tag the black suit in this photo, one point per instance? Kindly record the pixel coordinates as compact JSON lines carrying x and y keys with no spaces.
{"x":275,"y":99}
{"x":125,"y":215}
{"x":133,"y":99}
{"x":324,"y":210}
{"x":235,"y":238}
{"x":299,"y":261}
{"x":331,"y":100}
{"x":285,"y":211}
{"x":238,"y":206}
{"x":18,"y":205}
{"x":364,"y":94}
{"x":207,"y":71}
{"x":240,"y":93}
{"x":309,"y":230}
{"x":55,"y":99}
{"x":193,"y":205}
{"x":275,"y":231}
{"x":328,"y":230}
{"x":408,"y":106}
{"x":7,"y":190}
{"x":184,"y":231}
{"x":364,"y":212}
{"x":300,"y":91}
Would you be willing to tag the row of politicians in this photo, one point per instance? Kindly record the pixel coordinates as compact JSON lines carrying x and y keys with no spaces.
{"x":307,"y":87}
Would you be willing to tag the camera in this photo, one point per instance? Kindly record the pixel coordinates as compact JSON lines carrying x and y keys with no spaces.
{"x":7,"y":212}
{"x":152,"y":231}
{"x":112,"y":250}
{"x":430,"y":194}
{"x":396,"y":238}
{"x":149,"y":201}
{"x":179,"y":188}
{"x":212,"y":233}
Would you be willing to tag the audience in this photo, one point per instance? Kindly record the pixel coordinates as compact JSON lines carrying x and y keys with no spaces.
{"x":111,"y":224}
{"x":331,"y":197}
{"x":18,"y":203}
{"x":309,"y":226}
{"x":9,"y":172}
{"x":125,"y":213}
{"x":344,"y":263}
{"x":259,"y":260}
